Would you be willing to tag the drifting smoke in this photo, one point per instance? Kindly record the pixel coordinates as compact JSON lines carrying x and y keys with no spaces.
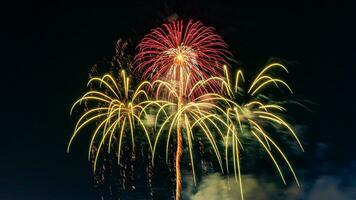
{"x":217,"y":187}
{"x":331,"y":188}
{"x":325,"y":187}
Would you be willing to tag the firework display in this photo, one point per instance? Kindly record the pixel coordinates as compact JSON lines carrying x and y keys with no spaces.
{"x":185,"y":93}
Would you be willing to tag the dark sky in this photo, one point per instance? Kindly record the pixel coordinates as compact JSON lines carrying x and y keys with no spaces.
{"x":48,"y":48}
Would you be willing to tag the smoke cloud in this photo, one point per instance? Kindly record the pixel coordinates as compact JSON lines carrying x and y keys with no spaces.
{"x":217,"y":187}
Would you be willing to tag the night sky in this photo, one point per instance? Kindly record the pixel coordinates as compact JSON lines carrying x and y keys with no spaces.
{"x":48,"y":48}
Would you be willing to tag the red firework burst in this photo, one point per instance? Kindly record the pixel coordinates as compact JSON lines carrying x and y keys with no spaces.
{"x":193,"y":49}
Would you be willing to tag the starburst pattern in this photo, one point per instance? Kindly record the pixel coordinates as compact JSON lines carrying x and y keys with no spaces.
{"x":193,"y":46}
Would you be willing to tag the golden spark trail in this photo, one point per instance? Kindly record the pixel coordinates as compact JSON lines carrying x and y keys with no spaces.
{"x":250,"y":118}
{"x":117,"y":109}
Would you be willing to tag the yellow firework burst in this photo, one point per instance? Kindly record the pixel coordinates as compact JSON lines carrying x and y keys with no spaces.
{"x":184,"y":117}
{"x":115,"y":111}
{"x":251,"y":118}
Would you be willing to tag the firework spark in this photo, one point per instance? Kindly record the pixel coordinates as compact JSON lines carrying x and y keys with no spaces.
{"x":252,"y":117}
{"x":116,"y":110}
